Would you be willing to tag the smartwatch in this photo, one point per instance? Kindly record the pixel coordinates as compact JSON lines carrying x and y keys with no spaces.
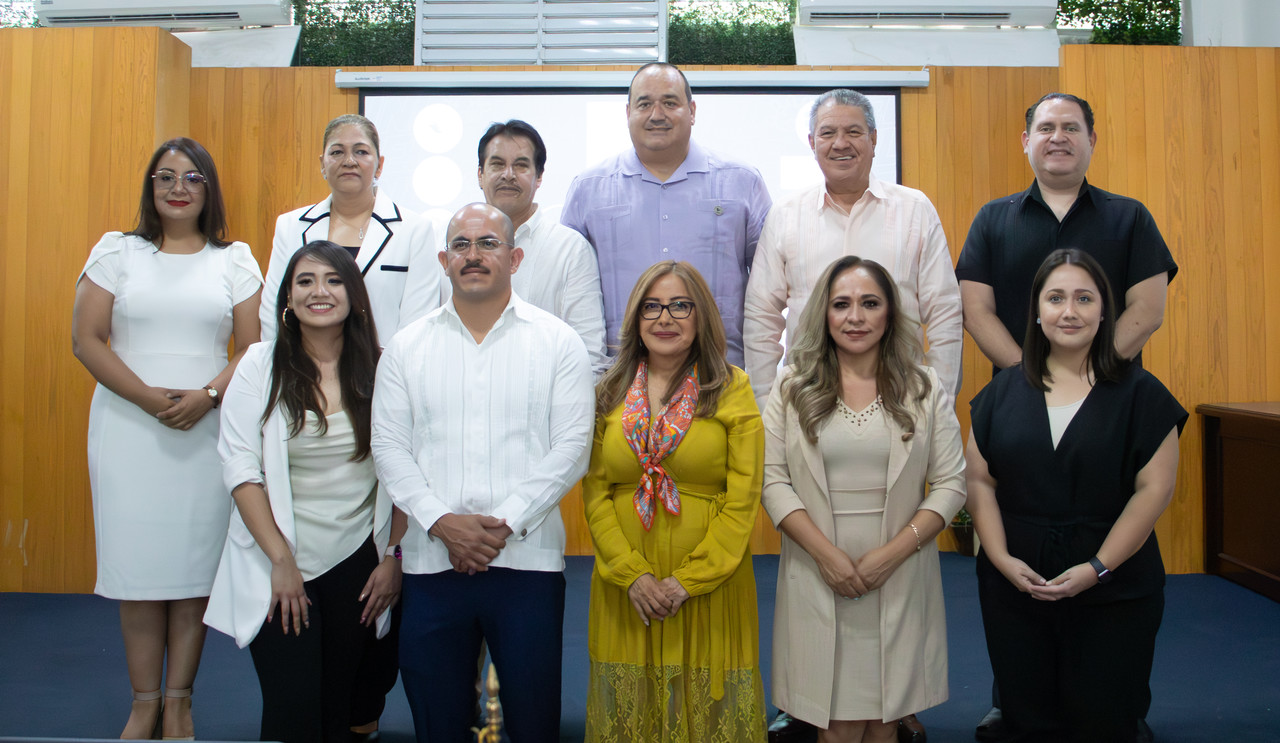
{"x":1104,"y":574}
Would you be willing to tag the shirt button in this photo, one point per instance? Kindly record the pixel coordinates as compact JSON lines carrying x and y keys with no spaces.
{"x":665,"y":250}
{"x":524,"y":532}
{"x":664,"y":216}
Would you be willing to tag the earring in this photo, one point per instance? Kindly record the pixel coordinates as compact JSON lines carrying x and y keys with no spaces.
{"x":284,"y":315}
{"x":1037,"y":321}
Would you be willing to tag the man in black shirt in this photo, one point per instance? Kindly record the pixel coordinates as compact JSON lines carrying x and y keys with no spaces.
{"x":1012,"y":236}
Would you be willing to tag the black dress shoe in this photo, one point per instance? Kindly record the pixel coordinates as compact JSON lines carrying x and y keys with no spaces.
{"x":787,"y":729}
{"x":911,"y":731}
{"x":991,"y":728}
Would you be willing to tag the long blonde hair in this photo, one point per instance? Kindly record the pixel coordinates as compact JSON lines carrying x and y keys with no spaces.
{"x":814,"y":383}
{"x":707,"y":350}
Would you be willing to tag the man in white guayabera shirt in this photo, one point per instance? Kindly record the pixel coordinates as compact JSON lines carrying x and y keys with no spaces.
{"x":559,"y":272}
{"x":482,"y":421}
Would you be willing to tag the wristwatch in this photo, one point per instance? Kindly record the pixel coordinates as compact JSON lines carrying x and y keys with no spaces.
{"x":393,"y":551}
{"x":213,"y":395}
{"x":1104,"y":574}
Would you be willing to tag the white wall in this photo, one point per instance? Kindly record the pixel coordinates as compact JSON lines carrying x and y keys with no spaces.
{"x":1231,"y":22}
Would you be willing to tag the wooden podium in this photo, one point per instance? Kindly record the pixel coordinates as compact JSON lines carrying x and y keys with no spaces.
{"x":1242,"y":512}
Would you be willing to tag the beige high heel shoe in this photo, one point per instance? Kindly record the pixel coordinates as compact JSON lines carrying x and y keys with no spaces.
{"x":177,"y":694}
{"x":148,"y":696}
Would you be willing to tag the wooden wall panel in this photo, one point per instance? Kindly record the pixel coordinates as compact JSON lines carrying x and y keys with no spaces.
{"x":1190,"y":133}
{"x":1184,"y":130}
{"x":81,"y":111}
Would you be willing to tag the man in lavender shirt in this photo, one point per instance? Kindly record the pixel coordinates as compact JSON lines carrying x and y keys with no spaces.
{"x":669,"y":199}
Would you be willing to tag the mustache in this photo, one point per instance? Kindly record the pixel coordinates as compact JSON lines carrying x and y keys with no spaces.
{"x":475,"y":264}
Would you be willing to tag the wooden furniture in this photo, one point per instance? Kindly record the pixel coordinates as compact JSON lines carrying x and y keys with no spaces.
{"x":1242,"y":512}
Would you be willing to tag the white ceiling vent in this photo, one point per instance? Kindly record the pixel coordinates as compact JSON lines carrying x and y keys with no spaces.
{"x":184,"y":14}
{"x":928,"y":14}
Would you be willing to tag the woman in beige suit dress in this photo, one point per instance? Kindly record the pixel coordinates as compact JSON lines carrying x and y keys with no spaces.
{"x":854,"y":430}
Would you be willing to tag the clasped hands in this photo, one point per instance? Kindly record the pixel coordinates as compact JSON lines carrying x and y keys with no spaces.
{"x":473,"y":539}
{"x":1074,"y":580}
{"x":179,"y":409}
{"x":850,"y":578}
{"x":656,"y":599}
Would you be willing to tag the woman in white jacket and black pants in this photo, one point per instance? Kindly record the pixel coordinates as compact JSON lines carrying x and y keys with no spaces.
{"x":310,"y":569}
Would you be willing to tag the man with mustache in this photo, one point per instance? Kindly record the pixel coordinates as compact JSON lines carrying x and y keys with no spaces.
{"x":1011,"y":236}
{"x":669,"y":199}
{"x":482,"y":421}
{"x":851,"y":213}
{"x":559,"y":272}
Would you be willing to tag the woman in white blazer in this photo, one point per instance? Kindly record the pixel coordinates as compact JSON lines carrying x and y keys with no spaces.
{"x":311,"y":533}
{"x":394,"y":249}
{"x":854,"y":430}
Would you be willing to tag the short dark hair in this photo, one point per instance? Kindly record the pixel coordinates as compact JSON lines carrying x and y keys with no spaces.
{"x":1108,"y":365}
{"x":688,"y":91}
{"x":213,"y":218}
{"x":515,"y":128}
{"x":1082,"y":103}
{"x":295,"y":377}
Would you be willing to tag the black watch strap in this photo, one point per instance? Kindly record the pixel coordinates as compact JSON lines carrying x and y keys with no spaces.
{"x":1104,"y":574}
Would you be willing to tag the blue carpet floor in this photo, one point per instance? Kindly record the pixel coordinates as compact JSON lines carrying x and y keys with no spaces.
{"x":1216,"y":677}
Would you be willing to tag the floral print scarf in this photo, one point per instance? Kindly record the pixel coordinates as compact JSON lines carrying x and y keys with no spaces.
{"x":653,"y":439}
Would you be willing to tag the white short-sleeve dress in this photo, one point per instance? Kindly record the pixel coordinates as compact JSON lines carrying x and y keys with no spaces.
{"x":160,"y":510}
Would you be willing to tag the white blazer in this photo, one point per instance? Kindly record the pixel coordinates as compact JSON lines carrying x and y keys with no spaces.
{"x":397,"y":259}
{"x":252,"y":451}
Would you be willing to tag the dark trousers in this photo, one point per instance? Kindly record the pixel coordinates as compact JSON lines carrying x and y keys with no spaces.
{"x":316,"y":685}
{"x":520,"y":614}
{"x":1068,"y":671}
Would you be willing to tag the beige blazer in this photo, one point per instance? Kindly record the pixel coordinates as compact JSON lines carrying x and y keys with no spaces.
{"x":913,"y":638}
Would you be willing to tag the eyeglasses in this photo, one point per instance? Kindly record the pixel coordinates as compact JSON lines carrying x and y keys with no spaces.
{"x":484,"y":244}
{"x":166,"y":181}
{"x":679,"y":309}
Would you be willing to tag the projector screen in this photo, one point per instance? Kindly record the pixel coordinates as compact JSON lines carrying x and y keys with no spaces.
{"x":429,"y":137}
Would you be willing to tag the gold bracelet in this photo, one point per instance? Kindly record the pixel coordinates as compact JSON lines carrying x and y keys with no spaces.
{"x":917,"y":531}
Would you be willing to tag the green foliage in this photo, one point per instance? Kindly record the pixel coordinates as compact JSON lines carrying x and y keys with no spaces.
{"x":1126,"y":21}
{"x":348,"y":33}
{"x":736,"y":32}
{"x":17,"y":14}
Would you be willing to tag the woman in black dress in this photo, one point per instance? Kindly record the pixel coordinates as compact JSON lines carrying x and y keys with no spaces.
{"x":1072,"y":458}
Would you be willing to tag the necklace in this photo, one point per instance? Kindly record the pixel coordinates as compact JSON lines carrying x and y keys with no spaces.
{"x":362,"y":228}
{"x":352,"y":226}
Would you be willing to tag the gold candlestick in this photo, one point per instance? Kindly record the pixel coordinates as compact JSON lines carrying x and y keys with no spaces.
{"x":492,"y":731}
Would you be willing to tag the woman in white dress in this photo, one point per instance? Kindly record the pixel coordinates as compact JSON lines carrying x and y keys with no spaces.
{"x":854,"y":430}
{"x":154,"y":311}
{"x":394,"y":249}
{"x":311,"y":562}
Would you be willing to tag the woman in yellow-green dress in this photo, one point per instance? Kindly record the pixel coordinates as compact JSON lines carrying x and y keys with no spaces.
{"x":671,"y":499}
